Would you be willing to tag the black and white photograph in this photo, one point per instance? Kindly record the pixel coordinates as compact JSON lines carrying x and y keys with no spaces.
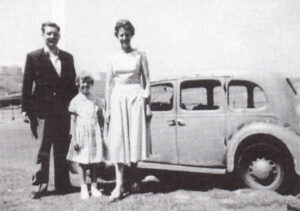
{"x":150,"y":105}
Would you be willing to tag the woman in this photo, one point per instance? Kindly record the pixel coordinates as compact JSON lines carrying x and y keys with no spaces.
{"x":127,"y":90}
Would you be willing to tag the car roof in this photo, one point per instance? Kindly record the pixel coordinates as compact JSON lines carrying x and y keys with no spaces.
{"x":254,"y":76}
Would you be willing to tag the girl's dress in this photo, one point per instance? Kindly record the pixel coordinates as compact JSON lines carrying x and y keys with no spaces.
{"x":127,"y":134}
{"x":88,"y":133}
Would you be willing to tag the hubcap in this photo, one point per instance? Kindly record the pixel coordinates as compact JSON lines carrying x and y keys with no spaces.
{"x":262,"y":168}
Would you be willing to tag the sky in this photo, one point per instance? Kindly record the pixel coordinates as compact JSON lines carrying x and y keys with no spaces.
{"x":180,"y":37}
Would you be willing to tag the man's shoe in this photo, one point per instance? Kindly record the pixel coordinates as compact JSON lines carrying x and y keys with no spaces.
{"x":36,"y":195}
{"x":42,"y":191}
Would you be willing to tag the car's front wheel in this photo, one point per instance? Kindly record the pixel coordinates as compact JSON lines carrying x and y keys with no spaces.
{"x":261,"y":166}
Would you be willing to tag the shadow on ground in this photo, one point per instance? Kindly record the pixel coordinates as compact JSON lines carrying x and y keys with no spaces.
{"x":169,"y":182}
{"x":165,"y":182}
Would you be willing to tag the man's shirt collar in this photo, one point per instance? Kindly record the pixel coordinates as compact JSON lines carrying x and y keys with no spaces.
{"x":48,"y":51}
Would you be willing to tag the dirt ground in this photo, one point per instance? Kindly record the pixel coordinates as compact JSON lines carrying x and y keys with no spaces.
{"x":178,"y":192}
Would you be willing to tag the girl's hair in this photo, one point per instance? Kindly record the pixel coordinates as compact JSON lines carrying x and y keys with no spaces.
{"x":126,"y":24}
{"x":84,"y":76}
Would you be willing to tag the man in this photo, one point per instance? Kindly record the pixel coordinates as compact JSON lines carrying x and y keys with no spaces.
{"x":48,"y":87}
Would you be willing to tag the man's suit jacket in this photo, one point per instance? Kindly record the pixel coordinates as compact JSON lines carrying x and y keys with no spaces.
{"x":45,"y":94}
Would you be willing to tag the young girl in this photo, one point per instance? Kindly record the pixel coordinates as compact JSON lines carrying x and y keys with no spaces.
{"x":86,"y":146}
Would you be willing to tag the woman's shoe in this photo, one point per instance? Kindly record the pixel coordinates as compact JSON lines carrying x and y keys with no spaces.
{"x":95,"y":192}
{"x":116,"y":194}
{"x":84,"y":193}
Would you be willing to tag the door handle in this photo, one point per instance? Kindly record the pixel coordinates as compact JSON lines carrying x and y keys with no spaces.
{"x":180,"y":122}
{"x":171,"y":122}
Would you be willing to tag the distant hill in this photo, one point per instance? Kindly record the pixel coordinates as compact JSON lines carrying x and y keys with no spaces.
{"x":10,"y":70}
{"x":10,"y":80}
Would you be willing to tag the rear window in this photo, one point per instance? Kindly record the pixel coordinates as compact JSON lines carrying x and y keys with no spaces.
{"x":245,"y":95}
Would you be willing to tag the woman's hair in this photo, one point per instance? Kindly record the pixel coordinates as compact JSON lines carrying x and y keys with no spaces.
{"x":125,"y":24}
{"x":84,"y":76}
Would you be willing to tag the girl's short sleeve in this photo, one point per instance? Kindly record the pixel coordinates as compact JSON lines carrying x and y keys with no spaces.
{"x":73,"y":105}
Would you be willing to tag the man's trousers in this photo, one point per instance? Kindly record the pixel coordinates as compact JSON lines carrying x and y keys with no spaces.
{"x":52,"y":132}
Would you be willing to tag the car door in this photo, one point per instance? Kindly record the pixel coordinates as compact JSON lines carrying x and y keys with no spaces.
{"x":201,"y":122}
{"x":163,"y":123}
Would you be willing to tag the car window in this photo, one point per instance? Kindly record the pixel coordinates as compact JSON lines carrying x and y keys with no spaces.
{"x":245,"y":94}
{"x":200,"y":95}
{"x":162,"y":97}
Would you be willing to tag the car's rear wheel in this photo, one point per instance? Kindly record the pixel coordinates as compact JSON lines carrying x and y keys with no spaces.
{"x":261,"y":166}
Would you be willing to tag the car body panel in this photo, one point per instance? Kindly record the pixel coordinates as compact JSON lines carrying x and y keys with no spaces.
{"x":208,"y":139}
{"x":287,"y":136}
{"x":201,"y":134}
{"x":181,"y":168}
{"x":163,"y":133}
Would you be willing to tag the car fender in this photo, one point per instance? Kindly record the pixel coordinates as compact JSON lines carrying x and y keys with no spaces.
{"x":287,"y":136}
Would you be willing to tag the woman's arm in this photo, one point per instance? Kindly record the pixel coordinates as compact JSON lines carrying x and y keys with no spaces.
{"x":108,"y":87}
{"x":145,"y":72}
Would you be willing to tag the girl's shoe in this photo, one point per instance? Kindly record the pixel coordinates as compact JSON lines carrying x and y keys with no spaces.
{"x":84,"y":193}
{"x":116,"y":194}
{"x":95,"y":192}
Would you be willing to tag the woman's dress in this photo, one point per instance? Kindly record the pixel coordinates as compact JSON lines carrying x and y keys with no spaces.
{"x":87,"y":132}
{"x":127,"y":139}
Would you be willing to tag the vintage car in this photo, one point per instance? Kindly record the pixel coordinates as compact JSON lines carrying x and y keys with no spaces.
{"x":247,"y":124}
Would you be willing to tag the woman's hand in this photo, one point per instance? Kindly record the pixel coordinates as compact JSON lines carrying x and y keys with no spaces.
{"x":145,"y":94}
{"x":77,"y":147}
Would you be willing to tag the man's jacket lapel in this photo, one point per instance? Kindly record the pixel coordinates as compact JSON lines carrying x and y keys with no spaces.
{"x":47,"y":64}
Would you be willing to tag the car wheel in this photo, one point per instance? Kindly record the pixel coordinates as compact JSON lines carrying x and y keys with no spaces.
{"x":261,"y":166}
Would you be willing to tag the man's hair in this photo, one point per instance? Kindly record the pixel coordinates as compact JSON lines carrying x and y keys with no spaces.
{"x":51,"y":24}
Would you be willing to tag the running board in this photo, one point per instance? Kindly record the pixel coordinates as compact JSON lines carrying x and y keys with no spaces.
{"x":170,"y":167}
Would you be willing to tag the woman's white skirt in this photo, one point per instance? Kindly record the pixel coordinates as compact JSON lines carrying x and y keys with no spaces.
{"x":127,"y":134}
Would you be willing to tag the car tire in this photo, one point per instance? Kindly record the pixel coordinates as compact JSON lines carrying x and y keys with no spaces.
{"x":262,"y":166}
